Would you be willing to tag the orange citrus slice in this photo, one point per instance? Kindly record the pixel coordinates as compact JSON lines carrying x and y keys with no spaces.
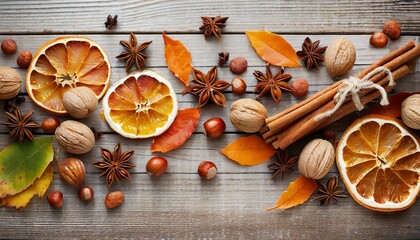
{"x":379,"y":162}
{"x":65,"y":63}
{"x":140,"y":105}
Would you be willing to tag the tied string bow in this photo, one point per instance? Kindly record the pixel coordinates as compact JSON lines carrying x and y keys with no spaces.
{"x":353,"y":86}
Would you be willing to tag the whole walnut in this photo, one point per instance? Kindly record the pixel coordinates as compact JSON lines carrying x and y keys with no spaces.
{"x":10,"y":83}
{"x":80,"y":102}
{"x":410,"y":111}
{"x":340,"y":57}
{"x":247,"y":115}
{"x":316,"y":159}
{"x":75,"y":137}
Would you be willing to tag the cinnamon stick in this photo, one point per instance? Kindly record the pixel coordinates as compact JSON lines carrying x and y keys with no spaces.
{"x":307,"y":124}
{"x":284,"y":119}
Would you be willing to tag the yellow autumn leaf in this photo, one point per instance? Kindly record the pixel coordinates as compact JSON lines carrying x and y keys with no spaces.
{"x":273,"y":48}
{"x":39,"y":187}
{"x":251,"y":150}
{"x":297,"y":193}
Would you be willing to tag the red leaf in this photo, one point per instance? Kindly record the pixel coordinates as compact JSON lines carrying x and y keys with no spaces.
{"x":394,"y":108}
{"x":179,"y":132}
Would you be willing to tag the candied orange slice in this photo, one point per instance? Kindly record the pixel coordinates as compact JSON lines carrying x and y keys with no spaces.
{"x":379,"y":162}
{"x":65,"y":63}
{"x":140,"y":105}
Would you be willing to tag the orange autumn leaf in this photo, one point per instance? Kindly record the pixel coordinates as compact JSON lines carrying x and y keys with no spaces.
{"x":273,"y":48}
{"x":297,"y":193}
{"x":178,"y":59}
{"x":179,"y":132}
{"x":251,"y":150}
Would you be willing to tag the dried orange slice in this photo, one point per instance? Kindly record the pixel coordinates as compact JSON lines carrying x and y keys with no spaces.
{"x":65,"y":63}
{"x":140,"y":105}
{"x":379,"y":162}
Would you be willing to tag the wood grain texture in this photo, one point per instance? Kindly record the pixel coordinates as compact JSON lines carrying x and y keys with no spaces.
{"x":151,"y":16}
{"x":179,"y":205}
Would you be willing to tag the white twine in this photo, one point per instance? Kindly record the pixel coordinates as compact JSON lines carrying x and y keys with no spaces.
{"x":353,"y":86}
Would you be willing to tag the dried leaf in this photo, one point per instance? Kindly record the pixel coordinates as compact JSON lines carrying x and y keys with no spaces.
{"x":273,"y":48}
{"x":39,"y":188}
{"x":179,"y":132}
{"x":394,"y":108}
{"x":178,"y":59}
{"x":21,"y":164}
{"x":251,"y":150}
{"x":297,"y":193}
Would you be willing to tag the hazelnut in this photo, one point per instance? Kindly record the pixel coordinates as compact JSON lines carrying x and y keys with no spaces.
{"x":50,"y":124}
{"x":247,"y":115}
{"x":300,"y":87}
{"x":378,"y":40}
{"x":316,"y":159}
{"x":410,"y":111}
{"x":86,"y":194}
{"x":392,"y":29}
{"x":55,"y":199}
{"x":80,"y":102}
{"x":8,"y":46}
{"x":340,"y":57}
{"x":207,"y":170}
{"x":214,"y":127}
{"x":156,"y":166}
{"x":238,"y":65}
{"x":114,"y":199}
{"x":72,"y":171}
{"x":10,"y":83}
{"x":24,"y":59}
{"x":238,"y":86}
{"x":75,"y":137}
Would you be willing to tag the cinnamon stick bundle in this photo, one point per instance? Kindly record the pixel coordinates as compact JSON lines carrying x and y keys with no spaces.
{"x":297,"y":121}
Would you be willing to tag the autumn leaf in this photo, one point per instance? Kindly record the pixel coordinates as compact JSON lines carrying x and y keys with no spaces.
{"x":251,"y":150}
{"x":39,"y":188}
{"x":22,"y":163}
{"x":273,"y":48}
{"x":178,"y":59}
{"x":297,"y":193}
{"x":179,"y":132}
{"x":394,"y":108}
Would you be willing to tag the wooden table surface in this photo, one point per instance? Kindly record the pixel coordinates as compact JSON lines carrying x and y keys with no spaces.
{"x":179,"y":205}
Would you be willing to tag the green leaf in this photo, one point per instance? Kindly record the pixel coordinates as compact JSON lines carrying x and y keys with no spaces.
{"x":22,"y":163}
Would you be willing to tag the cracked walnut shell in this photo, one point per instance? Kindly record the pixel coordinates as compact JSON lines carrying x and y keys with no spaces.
{"x":247,"y":115}
{"x":75,"y":137}
{"x":340,"y":57}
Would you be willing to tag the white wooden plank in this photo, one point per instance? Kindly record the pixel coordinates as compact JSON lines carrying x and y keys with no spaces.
{"x":320,"y":16}
{"x":180,"y":206}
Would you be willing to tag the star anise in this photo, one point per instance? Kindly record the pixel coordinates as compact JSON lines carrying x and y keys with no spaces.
{"x":20,"y":124}
{"x":223,"y":58}
{"x":213,"y":25}
{"x":208,"y":87}
{"x":311,"y":54}
{"x":329,"y":193}
{"x":267,"y":83}
{"x":111,"y":21}
{"x":115,"y":164}
{"x":282,"y":164}
{"x":133,"y":53}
